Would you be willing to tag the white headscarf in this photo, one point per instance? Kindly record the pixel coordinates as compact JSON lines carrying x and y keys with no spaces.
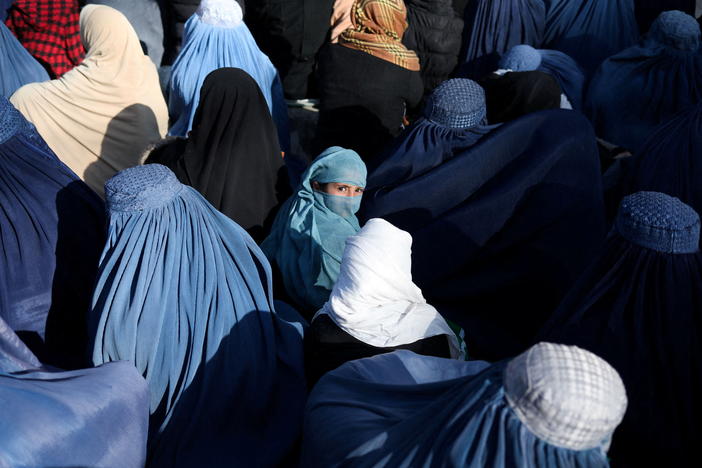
{"x":100,"y":117}
{"x":374,"y":298}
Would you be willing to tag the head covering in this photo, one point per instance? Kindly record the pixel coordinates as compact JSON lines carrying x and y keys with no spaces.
{"x":648,"y":10}
{"x":669,"y":161}
{"x":216,"y":37}
{"x":564,"y":69}
{"x":374,"y":299}
{"x":552,"y":406}
{"x":647,"y":84}
{"x":501,"y":229}
{"x":49,"y":30}
{"x":590,"y":30}
{"x":232,"y":155}
{"x":492,"y":27}
{"x":377,"y":29}
{"x":101,"y":116}
{"x":88,"y":417}
{"x":145,"y":17}
{"x":340,"y":18}
{"x":515,"y":94}
{"x":638,"y":307}
{"x":309,"y":233}
{"x":185,"y":295}
{"x":454,"y":119}
{"x":17,"y":65}
{"x":50,"y":242}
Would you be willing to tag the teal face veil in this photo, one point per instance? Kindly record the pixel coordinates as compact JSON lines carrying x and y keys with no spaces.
{"x":309,"y":234}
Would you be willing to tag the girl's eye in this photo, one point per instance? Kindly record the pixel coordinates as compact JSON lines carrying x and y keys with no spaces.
{"x":342,"y":188}
{"x":359,"y":190}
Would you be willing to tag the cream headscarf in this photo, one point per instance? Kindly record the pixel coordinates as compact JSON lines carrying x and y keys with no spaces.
{"x":99,"y":117}
{"x":374,"y":299}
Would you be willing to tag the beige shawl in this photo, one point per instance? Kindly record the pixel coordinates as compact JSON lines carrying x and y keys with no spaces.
{"x":99,"y":117}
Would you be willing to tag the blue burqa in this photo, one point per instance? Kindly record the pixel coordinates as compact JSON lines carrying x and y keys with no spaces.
{"x":184,"y":293}
{"x":18,"y":66}
{"x":492,"y":27}
{"x":51,"y":235}
{"x":501,"y":230}
{"x":403,"y":409}
{"x":563,"y":68}
{"x":590,"y":30}
{"x":207,"y":47}
{"x":647,"y":84}
{"x":52,"y":418}
{"x":638,"y":307}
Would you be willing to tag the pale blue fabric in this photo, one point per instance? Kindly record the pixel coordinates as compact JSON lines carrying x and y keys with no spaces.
{"x":309,"y":233}
{"x":207,"y":48}
{"x":17,"y":66}
{"x":184,"y":293}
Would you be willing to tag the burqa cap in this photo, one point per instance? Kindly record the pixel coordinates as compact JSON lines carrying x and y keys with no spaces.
{"x":141,"y":188}
{"x":457,"y":103}
{"x":676,"y":29}
{"x":660,"y":222}
{"x":223,"y":13}
{"x":565,"y":395}
{"x":11,"y":121}
{"x":521,"y":58}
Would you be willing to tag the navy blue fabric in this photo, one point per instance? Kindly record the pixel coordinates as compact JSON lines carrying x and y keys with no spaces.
{"x":639,"y":309}
{"x":51,"y":237}
{"x":667,"y":162}
{"x":567,"y":72}
{"x":501,"y":230}
{"x":184,"y":293}
{"x":648,"y":10}
{"x":643,"y":86}
{"x":590,"y":30}
{"x":402,"y":409}
{"x":88,"y":417}
{"x":18,"y":66}
{"x":492,"y":27}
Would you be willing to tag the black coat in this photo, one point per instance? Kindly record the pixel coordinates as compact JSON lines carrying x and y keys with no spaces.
{"x":363,"y":99}
{"x":434,"y":32}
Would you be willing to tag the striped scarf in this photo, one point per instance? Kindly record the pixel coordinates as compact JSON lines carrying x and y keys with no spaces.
{"x":377,"y":29}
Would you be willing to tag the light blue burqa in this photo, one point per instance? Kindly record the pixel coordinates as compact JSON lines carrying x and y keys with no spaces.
{"x":17,"y":66}
{"x":184,"y":293}
{"x":208,"y":47}
{"x":309,"y":233}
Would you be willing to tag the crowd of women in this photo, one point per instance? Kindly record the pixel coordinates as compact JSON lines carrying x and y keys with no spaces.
{"x":486,"y":254}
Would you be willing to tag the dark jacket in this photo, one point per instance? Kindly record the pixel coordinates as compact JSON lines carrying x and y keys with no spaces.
{"x":434,"y":32}
{"x":363,"y":99}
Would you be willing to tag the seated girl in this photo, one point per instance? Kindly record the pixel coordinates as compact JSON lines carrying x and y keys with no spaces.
{"x":375,"y":307}
{"x":309,"y":233}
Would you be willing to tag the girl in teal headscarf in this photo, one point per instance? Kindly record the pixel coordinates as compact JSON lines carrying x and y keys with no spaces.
{"x":309,"y":233}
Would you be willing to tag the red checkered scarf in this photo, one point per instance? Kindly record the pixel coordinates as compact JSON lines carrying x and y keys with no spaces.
{"x":50,"y":31}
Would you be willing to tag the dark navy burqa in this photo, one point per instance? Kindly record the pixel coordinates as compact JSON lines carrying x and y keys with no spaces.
{"x":52,"y":418}
{"x":502,"y":229}
{"x":51,"y":234}
{"x":638,"y":306}
{"x":184,"y":293}
{"x":492,"y":27}
{"x":403,"y":409}
{"x":647,"y":84}
{"x":590,"y":30}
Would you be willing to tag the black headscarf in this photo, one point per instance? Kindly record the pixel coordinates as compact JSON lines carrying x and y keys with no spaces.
{"x":232,"y":156}
{"x":514,"y":94}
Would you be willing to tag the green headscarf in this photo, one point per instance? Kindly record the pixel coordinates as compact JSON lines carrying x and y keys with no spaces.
{"x":309,"y":234}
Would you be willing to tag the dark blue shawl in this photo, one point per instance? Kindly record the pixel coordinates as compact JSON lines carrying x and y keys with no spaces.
{"x":51,"y":237}
{"x":502,"y":229}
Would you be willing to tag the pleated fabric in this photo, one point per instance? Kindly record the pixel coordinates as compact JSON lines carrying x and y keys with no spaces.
{"x":638,"y":306}
{"x":590,"y":30}
{"x":51,"y":235}
{"x":207,"y":47}
{"x":88,"y":417}
{"x":185,"y":294}
{"x":17,"y":65}
{"x":403,"y":409}
{"x":647,"y":84}
{"x":492,"y":27}
{"x":502,"y":229}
